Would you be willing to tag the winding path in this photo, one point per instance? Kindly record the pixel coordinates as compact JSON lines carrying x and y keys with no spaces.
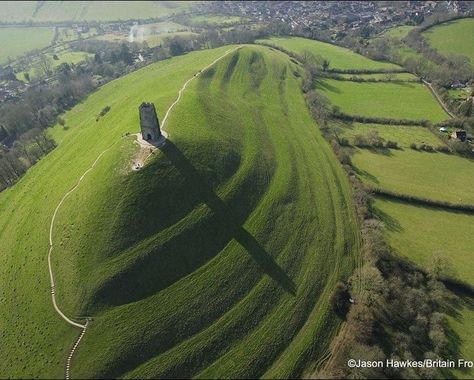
{"x":85,"y":324}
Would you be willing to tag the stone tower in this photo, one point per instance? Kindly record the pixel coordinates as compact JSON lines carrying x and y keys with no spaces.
{"x":149,"y":124}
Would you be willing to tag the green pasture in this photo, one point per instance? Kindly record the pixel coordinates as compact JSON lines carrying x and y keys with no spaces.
{"x":423,"y":234}
{"x":453,"y":38}
{"x":437,"y":176}
{"x":398,"y":31}
{"x":17,"y":41}
{"x":401,"y":134}
{"x":340,"y":58}
{"x":24,"y":11}
{"x":411,"y":101}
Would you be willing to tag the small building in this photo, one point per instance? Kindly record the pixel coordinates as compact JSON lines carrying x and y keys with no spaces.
{"x":459,"y":134}
{"x":149,"y":124}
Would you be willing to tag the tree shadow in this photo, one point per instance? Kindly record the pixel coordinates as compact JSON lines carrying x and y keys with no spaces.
{"x":366,"y":174}
{"x":322,"y":85}
{"x":390,"y":222}
{"x":227,"y":216}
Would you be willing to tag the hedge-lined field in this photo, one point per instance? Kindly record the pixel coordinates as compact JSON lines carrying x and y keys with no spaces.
{"x":453,"y":38}
{"x":403,"y":135}
{"x":411,"y":101}
{"x":437,"y":176}
{"x":339,"y":57}
{"x":423,"y":234}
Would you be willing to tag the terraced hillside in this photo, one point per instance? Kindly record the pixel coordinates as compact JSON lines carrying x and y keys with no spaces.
{"x":217,"y":259}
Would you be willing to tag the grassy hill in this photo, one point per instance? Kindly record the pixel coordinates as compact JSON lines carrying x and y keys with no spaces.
{"x":452,"y":38}
{"x":17,"y":41}
{"x":11,"y":11}
{"x":340,"y":58}
{"x":196,"y":265}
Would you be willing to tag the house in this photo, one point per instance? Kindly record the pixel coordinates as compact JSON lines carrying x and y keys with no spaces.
{"x":459,"y":134}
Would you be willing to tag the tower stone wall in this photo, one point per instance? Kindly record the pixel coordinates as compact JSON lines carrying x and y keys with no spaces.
{"x":149,"y":124}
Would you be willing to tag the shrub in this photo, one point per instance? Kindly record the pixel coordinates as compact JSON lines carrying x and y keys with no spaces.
{"x":343,"y":141}
{"x":443,"y":149}
{"x":61,"y":121}
{"x":413,"y":146}
{"x":426,"y":148}
{"x":340,"y":300}
{"x":392,"y":144}
{"x":361,"y":141}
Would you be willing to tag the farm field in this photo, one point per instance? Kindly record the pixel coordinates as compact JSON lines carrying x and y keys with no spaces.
{"x":151,"y":39}
{"x":10,"y":11}
{"x":411,"y":101}
{"x":445,"y":38}
{"x":423,"y":233}
{"x":17,"y":41}
{"x":340,"y":58}
{"x":71,"y":57}
{"x":213,"y":19}
{"x":437,"y":176}
{"x":250,"y":299}
{"x":398,"y":31}
{"x":403,"y":135}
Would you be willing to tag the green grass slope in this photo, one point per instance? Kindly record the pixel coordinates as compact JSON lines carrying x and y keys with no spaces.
{"x":411,"y":101}
{"x":340,"y":58}
{"x":196,"y":265}
{"x":17,"y":41}
{"x":452,"y":38}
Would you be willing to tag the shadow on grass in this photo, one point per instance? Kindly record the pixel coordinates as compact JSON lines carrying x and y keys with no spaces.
{"x":320,"y":84}
{"x":227,"y":216}
{"x":366,"y":174}
{"x":390,"y":222}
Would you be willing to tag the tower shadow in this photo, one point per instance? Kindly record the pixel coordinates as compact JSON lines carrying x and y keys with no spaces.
{"x":227,"y":217}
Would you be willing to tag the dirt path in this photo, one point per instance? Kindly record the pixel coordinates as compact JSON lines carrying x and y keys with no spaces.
{"x":440,"y":101}
{"x":81,"y":326}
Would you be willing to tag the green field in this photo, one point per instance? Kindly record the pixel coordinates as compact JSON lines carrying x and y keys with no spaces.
{"x":340,"y":58}
{"x":13,"y":11}
{"x":453,"y":38}
{"x":71,"y":57}
{"x":422,"y":233}
{"x":17,"y":41}
{"x":437,"y":176}
{"x":398,"y":31}
{"x":403,"y":135}
{"x":411,"y":101}
{"x":194,"y":266}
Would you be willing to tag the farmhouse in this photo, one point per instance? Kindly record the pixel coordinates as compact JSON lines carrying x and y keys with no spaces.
{"x":459,"y":134}
{"x":149,"y":124}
